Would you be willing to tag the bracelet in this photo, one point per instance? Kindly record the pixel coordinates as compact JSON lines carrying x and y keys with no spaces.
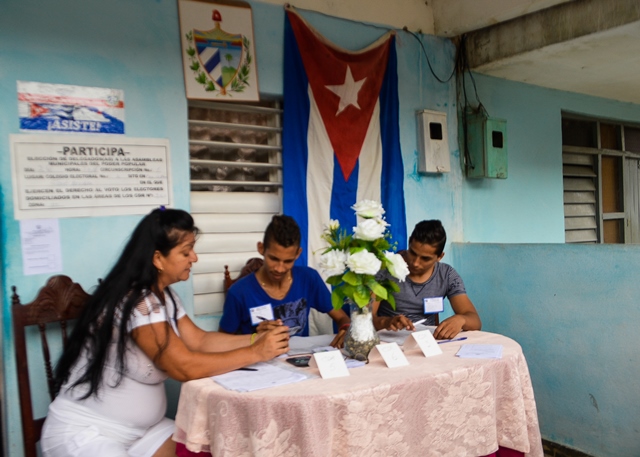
{"x":253,"y":338}
{"x":344,"y":327}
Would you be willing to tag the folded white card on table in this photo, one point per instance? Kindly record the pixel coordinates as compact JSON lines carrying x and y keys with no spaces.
{"x":390,"y":353}
{"x":423,"y":340}
{"x":331,"y":364}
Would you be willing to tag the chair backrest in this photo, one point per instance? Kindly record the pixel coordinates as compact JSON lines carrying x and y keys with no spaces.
{"x":252,"y":265}
{"x":58,"y":302}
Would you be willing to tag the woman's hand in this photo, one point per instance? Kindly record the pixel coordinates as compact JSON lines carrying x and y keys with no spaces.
{"x":272,"y":343}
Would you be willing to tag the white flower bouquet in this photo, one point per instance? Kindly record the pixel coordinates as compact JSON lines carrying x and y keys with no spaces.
{"x":351,"y":261}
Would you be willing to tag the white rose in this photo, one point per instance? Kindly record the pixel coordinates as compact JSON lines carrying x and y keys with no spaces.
{"x":333,"y":262}
{"x":368,"y":209}
{"x":364,"y":262}
{"x":370,"y":229}
{"x":398,"y":267}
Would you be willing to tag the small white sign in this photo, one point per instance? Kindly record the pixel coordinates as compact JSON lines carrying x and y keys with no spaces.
{"x":433,"y":305}
{"x":390,"y":353}
{"x":41,"y":252}
{"x":331,"y":364}
{"x":261,"y":313}
{"x":425,"y":341}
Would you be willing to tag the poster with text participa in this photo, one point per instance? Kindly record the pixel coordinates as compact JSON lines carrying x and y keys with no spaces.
{"x":74,"y":176}
{"x":44,"y":107}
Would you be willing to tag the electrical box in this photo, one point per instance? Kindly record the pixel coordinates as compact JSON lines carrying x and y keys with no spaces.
{"x":433,"y":145}
{"x":487,"y":145}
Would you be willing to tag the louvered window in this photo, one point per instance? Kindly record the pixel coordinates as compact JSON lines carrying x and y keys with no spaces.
{"x":236,"y":182}
{"x":601,"y":181}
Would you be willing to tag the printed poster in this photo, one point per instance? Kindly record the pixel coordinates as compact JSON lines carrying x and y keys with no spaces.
{"x":44,"y":107}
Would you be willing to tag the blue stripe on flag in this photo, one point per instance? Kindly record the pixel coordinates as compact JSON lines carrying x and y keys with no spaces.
{"x":392,"y":188}
{"x":294,"y":139}
{"x":343,"y":195}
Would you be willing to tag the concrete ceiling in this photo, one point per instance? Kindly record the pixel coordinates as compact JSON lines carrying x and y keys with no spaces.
{"x":586,"y":46}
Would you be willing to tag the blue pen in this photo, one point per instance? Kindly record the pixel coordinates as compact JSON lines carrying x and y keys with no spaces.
{"x":455,"y":339}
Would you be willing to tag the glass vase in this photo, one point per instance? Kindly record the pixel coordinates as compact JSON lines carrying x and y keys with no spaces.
{"x":361,"y":336}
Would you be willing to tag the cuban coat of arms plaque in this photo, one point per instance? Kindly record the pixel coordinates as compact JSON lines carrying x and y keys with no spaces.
{"x":218,"y":51}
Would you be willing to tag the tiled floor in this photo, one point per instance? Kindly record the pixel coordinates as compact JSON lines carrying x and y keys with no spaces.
{"x":557,"y":450}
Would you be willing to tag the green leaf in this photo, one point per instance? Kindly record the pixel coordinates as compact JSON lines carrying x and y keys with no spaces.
{"x":191,"y":52}
{"x":351,"y":278}
{"x":334,"y":280}
{"x":377,"y":289}
{"x":337,"y":299}
{"x":392,"y":301}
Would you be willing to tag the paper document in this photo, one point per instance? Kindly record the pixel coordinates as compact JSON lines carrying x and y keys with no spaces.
{"x":257,"y":376}
{"x":390,"y":336}
{"x":480,"y":351}
{"x":307,"y":344}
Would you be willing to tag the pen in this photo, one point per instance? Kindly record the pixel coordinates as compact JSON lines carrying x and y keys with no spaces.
{"x":421,"y":321}
{"x":455,"y":339}
{"x":247,"y":369}
{"x":262,"y":318}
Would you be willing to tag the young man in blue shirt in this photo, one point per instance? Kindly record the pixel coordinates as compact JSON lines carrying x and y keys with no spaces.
{"x":280,"y":293}
{"x":428,"y":283}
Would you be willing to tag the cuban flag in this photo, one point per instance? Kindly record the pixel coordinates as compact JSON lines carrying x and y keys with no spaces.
{"x":341,"y":134}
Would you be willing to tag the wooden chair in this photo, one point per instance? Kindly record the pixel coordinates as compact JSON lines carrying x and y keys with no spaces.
{"x":252,"y":265}
{"x":58,"y":302}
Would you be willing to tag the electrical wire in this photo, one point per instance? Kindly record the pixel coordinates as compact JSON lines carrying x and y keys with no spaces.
{"x":424,"y":51}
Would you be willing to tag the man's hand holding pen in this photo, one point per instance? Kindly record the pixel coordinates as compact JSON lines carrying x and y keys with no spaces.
{"x":267,"y":325}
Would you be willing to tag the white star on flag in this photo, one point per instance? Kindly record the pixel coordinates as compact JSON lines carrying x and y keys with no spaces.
{"x":348,"y":92}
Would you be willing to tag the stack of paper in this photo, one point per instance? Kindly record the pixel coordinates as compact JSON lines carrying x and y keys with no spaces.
{"x":308,"y":344}
{"x":390,"y":336}
{"x":480,"y":351}
{"x":256,"y":377}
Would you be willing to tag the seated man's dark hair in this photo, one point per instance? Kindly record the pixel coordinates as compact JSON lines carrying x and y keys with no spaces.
{"x":430,"y":232}
{"x":283,"y":230}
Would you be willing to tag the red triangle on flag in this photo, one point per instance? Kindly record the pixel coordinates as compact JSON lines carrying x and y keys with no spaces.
{"x":345,"y":86}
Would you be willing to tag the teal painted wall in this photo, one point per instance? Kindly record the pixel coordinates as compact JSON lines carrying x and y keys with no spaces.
{"x":527,"y":207}
{"x":574,"y":310}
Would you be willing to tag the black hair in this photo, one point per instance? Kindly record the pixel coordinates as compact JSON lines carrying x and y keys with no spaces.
{"x":131,"y":279}
{"x":430,"y":232}
{"x":283,"y":230}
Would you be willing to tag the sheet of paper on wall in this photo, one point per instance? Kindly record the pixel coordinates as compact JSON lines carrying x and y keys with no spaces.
{"x":391,"y":336}
{"x":308,"y":344}
{"x":480,"y":351}
{"x":41,"y":252}
{"x":258,"y":376}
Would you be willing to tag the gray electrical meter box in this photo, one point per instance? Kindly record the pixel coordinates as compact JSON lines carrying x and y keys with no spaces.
{"x":487,"y":143}
{"x":433,"y":143}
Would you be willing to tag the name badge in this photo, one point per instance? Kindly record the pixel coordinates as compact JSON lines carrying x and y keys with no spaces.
{"x":390,"y":353}
{"x":261,"y":313}
{"x":433,"y":305}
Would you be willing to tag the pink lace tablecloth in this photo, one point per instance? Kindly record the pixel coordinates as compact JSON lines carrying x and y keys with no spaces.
{"x":442,"y":406}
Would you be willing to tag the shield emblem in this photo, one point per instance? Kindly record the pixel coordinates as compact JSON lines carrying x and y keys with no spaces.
{"x":220,"y":54}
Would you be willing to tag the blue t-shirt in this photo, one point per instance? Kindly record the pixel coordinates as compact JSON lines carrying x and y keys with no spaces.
{"x":307,"y":291}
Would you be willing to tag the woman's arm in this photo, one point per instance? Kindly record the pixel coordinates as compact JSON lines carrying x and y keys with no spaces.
{"x":198,"y":354}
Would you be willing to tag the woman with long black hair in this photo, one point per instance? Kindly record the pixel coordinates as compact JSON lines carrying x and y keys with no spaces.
{"x":132,"y":335}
